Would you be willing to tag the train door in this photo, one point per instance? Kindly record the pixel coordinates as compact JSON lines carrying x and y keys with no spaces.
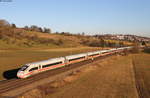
{"x":86,"y":57}
{"x":34,"y":70}
{"x":40,"y":67}
{"x":66,"y":61}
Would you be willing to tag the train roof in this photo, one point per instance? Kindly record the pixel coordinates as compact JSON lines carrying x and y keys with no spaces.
{"x":46,"y":61}
{"x":102,"y":51}
{"x":95,"y":52}
{"x":76,"y":55}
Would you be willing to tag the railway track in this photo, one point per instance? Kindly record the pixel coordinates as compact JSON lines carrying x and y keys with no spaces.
{"x":13,"y":84}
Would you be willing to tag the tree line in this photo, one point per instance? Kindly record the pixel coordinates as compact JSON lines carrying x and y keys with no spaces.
{"x":38,"y":29}
{"x":4,"y":23}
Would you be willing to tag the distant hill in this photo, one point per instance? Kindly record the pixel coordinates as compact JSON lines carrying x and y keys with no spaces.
{"x":36,"y":37}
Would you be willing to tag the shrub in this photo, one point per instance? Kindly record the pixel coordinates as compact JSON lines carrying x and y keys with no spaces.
{"x":136,"y":48}
{"x":146,"y":50}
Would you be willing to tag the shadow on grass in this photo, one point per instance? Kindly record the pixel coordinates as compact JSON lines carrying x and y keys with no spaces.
{"x":147,"y":50}
{"x":10,"y":74}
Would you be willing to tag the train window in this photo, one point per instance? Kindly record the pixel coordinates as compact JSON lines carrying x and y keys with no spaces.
{"x":94,"y":54}
{"x":51,"y":64}
{"x":104,"y":52}
{"x":32,"y":69}
{"x":24,"y":68}
{"x":76,"y":58}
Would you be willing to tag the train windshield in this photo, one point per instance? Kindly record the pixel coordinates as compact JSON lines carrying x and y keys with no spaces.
{"x":24,"y":67}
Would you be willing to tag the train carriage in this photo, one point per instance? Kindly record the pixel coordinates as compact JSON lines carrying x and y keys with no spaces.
{"x":36,"y":67}
{"x":76,"y":58}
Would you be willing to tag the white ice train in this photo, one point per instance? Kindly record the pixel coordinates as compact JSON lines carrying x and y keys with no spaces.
{"x":37,"y":67}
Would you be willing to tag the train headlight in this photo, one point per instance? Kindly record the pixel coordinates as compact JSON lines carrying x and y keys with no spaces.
{"x":20,"y":74}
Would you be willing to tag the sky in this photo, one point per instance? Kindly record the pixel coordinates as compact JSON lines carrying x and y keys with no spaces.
{"x":77,"y":16}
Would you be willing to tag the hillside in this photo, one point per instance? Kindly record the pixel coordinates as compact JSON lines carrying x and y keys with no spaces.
{"x":20,"y":38}
{"x":12,"y":37}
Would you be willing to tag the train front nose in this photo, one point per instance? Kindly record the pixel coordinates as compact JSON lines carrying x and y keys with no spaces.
{"x":20,"y":74}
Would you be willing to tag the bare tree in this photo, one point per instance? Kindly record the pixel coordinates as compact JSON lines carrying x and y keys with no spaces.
{"x":4,"y":23}
{"x":13,"y":25}
{"x":47,"y":30}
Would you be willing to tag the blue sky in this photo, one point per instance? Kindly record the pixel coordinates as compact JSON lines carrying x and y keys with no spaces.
{"x":89,"y":16}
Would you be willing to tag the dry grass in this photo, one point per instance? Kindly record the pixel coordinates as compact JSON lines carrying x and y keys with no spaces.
{"x":142,"y":69}
{"x":116,"y":41}
{"x":110,"y":78}
{"x":35,"y":93}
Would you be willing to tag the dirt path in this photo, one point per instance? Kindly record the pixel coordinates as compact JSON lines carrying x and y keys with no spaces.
{"x":141,"y":68}
{"x":111,"y":78}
